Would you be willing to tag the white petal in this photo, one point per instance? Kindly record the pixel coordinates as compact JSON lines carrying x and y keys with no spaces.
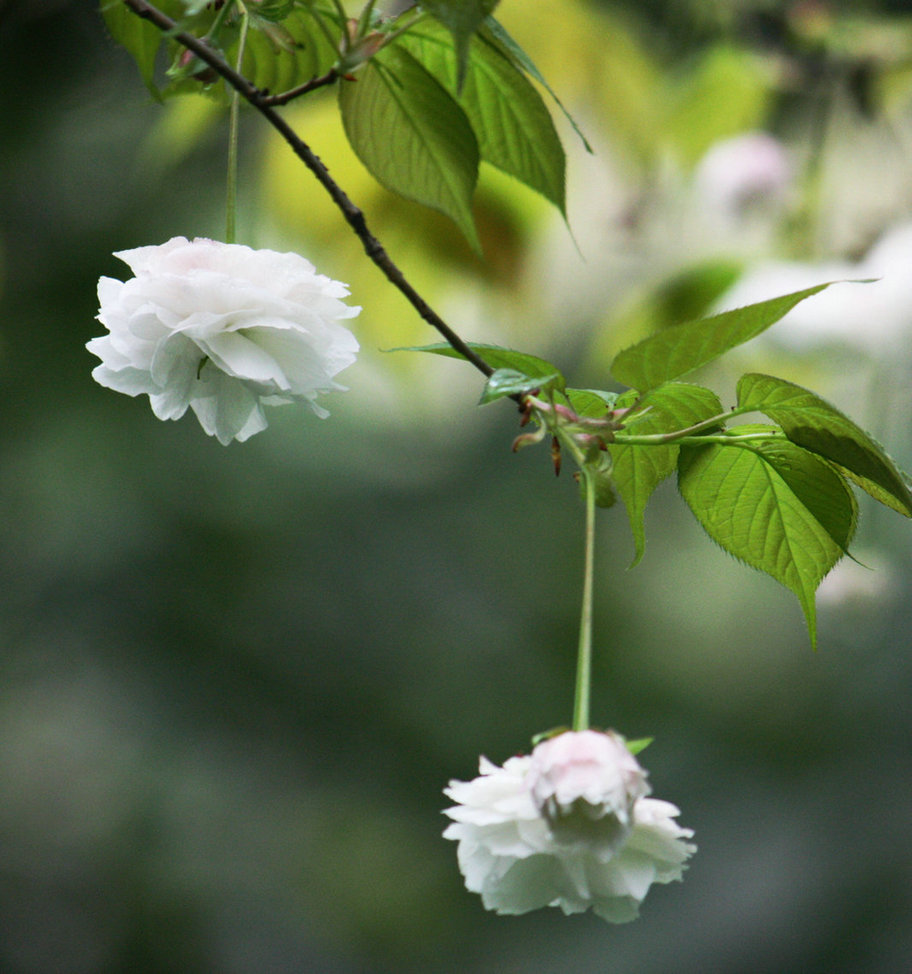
{"x":131,"y":382}
{"x":239,"y":357}
{"x":526,"y":884}
{"x":143,"y":259}
{"x":308,"y":367}
{"x":175,"y":360}
{"x":108,"y":291}
{"x":233,"y":410}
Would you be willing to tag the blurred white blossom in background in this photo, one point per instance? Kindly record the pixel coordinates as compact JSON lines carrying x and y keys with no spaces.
{"x":874,"y":318}
{"x":737,"y":177}
{"x":869,"y":580}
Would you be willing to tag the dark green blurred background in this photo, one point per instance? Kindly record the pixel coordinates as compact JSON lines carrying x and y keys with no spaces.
{"x":233,"y":682}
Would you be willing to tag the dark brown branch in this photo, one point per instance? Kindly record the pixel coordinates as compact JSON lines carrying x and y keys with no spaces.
{"x":353,"y":215}
{"x":286,"y":96}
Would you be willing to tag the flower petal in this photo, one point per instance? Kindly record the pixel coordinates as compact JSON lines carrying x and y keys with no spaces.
{"x":243,"y":359}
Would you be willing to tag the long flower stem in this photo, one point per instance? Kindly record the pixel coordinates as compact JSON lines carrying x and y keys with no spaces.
{"x":352,"y":214}
{"x":584,"y":656}
{"x":233,"y":129}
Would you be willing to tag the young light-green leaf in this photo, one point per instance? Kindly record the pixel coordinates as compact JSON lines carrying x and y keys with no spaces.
{"x":640,"y":744}
{"x":499,"y":358}
{"x":514,"y":128}
{"x":591,"y":403}
{"x":511,"y":382}
{"x":676,"y":351}
{"x":819,"y":427}
{"x":773,"y":505}
{"x":638,"y":470}
{"x":412,"y":135}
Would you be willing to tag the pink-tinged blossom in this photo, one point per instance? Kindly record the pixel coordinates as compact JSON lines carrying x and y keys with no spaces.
{"x":570,"y":826}
{"x":747,"y":170}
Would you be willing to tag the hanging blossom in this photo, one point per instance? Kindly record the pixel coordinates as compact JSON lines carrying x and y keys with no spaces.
{"x":223,"y":329}
{"x":570,"y":826}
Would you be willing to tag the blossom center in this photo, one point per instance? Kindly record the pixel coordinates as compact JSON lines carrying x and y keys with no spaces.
{"x":600,"y":828}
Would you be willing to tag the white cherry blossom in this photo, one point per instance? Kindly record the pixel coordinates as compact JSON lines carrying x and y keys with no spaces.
{"x":222,"y":329}
{"x":569,"y":826}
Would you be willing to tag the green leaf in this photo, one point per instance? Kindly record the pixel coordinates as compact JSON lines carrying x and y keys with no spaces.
{"x":638,"y":470}
{"x":462,"y":18}
{"x":511,"y":382}
{"x":774,"y":506}
{"x":678,"y":350}
{"x":498,"y":358}
{"x":280,"y":56}
{"x":495,"y":31}
{"x":591,"y":403}
{"x":141,"y":39}
{"x":551,"y":732}
{"x":814,"y":424}
{"x":412,"y":136}
{"x":274,"y":10}
{"x":640,"y":744}
{"x":514,"y":128}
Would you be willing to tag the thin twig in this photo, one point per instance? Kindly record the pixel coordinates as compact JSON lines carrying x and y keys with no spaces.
{"x":352,"y":214}
{"x":285,"y":97}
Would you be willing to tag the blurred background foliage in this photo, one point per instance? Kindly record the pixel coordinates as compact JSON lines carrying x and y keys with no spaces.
{"x":234,"y":681}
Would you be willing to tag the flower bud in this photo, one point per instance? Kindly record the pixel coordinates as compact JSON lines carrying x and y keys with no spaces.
{"x":357,"y":50}
{"x":190,"y":66}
